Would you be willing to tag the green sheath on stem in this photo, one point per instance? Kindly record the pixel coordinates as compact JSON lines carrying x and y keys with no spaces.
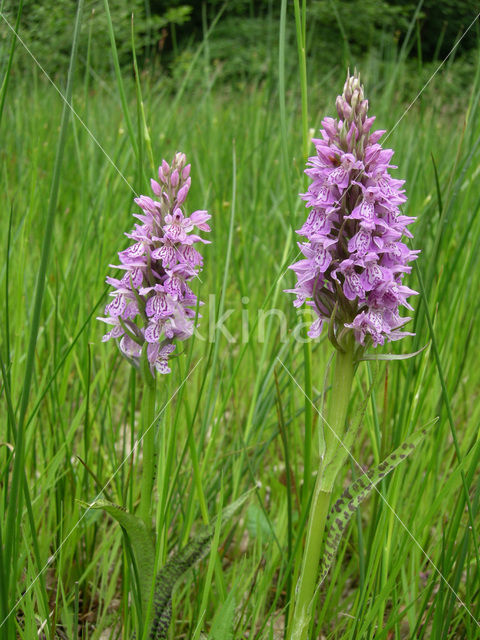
{"x":334,"y":431}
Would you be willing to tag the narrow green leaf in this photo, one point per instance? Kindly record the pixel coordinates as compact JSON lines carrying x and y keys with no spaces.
{"x":448,"y":406}
{"x":141,"y":542}
{"x":6,"y":77}
{"x":144,"y":133}
{"x":257,"y":523}
{"x":118,"y":74}
{"x":17,"y":487}
{"x":392,"y":356}
{"x":355,"y":494}
{"x":283,"y":109}
{"x":222,"y":627}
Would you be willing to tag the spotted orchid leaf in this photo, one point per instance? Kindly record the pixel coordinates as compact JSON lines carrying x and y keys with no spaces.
{"x":141,"y":543}
{"x":355,"y":494}
{"x":176,"y":566}
{"x":167,"y":578}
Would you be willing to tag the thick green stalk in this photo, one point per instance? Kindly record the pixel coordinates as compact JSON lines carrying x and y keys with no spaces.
{"x":334,"y":433}
{"x":148,"y":448}
{"x":334,"y":430}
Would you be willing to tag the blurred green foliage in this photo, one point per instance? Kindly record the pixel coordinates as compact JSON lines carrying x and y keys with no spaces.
{"x":46,"y":27}
{"x":363,"y":24}
{"x":358,"y":25}
{"x":429,"y":28}
{"x":243,"y":43}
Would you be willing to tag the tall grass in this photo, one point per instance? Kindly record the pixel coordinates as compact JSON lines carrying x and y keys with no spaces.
{"x":408,"y":566}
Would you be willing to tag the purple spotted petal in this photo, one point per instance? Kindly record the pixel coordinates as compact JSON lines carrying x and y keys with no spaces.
{"x":117,"y":306}
{"x":153,"y":332}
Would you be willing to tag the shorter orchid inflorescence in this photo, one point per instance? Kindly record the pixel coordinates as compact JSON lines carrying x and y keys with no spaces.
{"x":354,"y":259}
{"x":152,"y":303}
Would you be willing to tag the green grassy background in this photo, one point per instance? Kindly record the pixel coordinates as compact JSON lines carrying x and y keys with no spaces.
{"x":239,"y":412}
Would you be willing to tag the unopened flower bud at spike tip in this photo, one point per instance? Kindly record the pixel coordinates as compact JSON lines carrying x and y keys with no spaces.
{"x":180,"y":160}
{"x":354,"y":258}
{"x":153,"y":303}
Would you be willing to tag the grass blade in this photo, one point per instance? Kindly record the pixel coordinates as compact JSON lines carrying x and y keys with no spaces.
{"x":14,"y":508}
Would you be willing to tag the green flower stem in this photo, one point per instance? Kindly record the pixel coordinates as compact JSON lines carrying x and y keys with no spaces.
{"x":335,"y":430}
{"x":148,"y":447}
{"x":334,"y":434}
{"x":307,"y":446}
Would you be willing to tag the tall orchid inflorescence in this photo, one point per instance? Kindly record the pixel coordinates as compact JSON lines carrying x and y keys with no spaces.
{"x":152,"y":303}
{"x":354,"y":258}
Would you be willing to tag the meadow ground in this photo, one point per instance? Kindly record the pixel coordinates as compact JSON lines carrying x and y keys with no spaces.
{"x":408,"y":564}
